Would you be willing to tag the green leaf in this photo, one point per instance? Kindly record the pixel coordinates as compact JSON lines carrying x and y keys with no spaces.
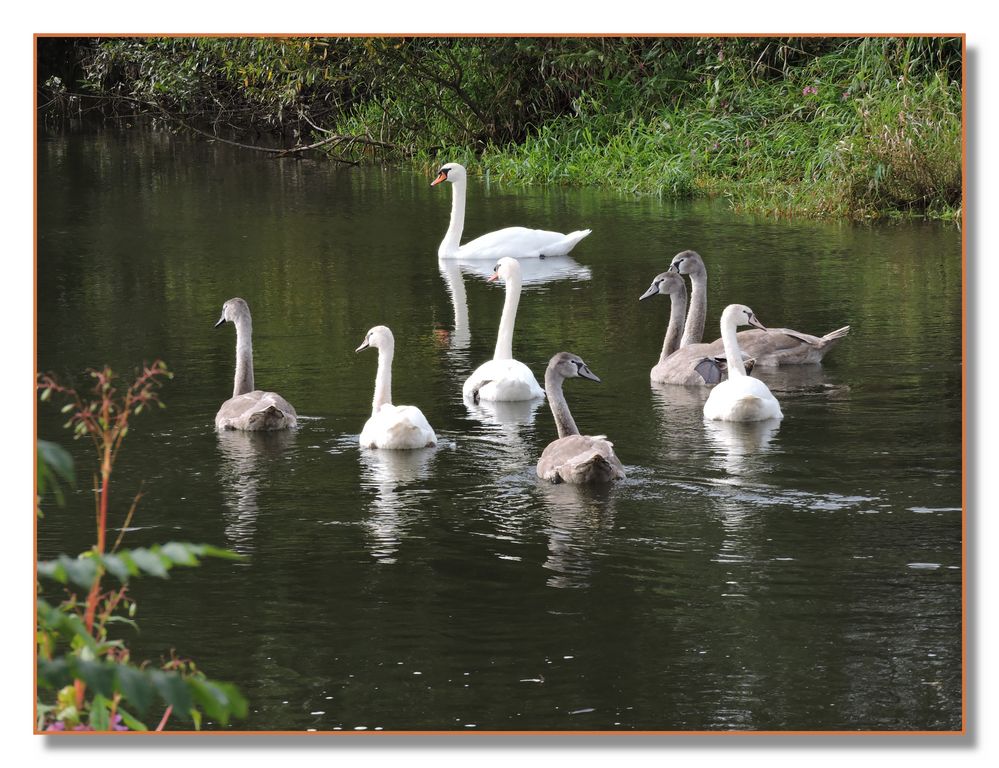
{"x":131,"y":721}
{"x":99,"y":676}
{"x":172,"y":689}
{"x":136,"y":688}
{"x":54,"y":673}
{"x":150,"y":562}
{"x":100,"y":716}
{"x":181,"y":554}
{"x":54,"y":464}
{"x":118,"y":568}
{"x":218,"y":700}
{"x":80,"y":571}
{"x":57,"y":458}
{"x":64,"y":623}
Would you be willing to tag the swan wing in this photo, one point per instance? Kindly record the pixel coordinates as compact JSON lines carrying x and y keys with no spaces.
{"x":742,"y":399}
{"x":580,"y":459}
{"x":783,"y":346}
{"x":256,"y":411}
{"x":398,"y":427}
{"x":520,"y":242}
{"x":502,"y":380}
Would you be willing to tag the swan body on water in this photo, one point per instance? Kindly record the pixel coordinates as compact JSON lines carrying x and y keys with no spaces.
{"x":248,"y":408}
{"x":693,"y":365}
{"x":518,"y":242}
{"x":773,"y":347}
{"x":402,"y":427}
{"x":503,"y":378}
{"x":740,"y":397}
{"x":574,"y":458}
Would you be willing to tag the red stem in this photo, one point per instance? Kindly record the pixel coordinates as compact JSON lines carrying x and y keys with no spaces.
{"x":166,"y":716}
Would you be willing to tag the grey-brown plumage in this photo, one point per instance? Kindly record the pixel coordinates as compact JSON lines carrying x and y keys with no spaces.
{"x":693,"y":365}
{"x":248,"y":408}
{"x":782,"y":346}
{"x":774,"y":347}
{"x":574,"y":458}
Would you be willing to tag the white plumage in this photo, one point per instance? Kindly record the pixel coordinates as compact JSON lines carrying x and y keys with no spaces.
{"x":391,"y":426}
{"x":740,"y":397}
{"x":518,"y":242}
{"x":503,"y":378}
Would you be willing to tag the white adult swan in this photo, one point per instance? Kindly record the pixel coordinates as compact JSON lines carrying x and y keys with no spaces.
{"x":504,"y":378}
{"x":695,"y":364}
{"x":511,"y":241}
{"x":391,"y":426}
{"x":776,"y":346}
{"x":740,"y":397}
{"x":574,"y":458}
{"x":249,"y":408}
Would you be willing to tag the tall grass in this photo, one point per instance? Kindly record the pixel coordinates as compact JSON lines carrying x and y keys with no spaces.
{"x":867,"y":130}
{"x":822,"y":126}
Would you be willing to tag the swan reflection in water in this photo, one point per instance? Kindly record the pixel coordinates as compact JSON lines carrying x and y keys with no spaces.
{"x":534,"y":272}
{"x":740,"y":444}
{"x":579,"y":517}
{"x":386,"y":472}
{"x":244,"y":458}
{"x":502,"y":438}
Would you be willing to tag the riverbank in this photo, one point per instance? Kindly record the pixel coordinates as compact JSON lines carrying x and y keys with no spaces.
{"x":850,"y":128}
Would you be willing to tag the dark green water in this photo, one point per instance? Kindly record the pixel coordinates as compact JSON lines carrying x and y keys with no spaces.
{"x":804,"y":577}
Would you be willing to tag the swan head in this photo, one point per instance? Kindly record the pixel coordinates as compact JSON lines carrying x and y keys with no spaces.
{"x":233,"y":310}
{"x":740,"y":314}
{"x":507,"y":268}
{"x":566,"y":365}
{"x":379,"y":337}
{"x":668,"y":283}
{"x":688,"y":263}
{"x":449,"y":172}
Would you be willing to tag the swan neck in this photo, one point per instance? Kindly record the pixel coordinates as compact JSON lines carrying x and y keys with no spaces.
{"x":504,"y":339}
{"x":452,"y":238}
{"x":383,"y":380}
{"x":693,"y":331}
{"x":560,"y":409}
{"x":243,"y":382}
{"x":678,"y":306}
{"x":733,"y":355}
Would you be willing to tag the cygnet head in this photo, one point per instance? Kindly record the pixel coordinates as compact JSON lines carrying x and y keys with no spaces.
{"x":449,"y":172}
{"x":507,"y":268}
{"x":233,"y":310}
{"x":569,"y":366}
{"x":667,"y":283}
{"x":688,"y":263}
{"x":379,"y":337}
{"x":740,"y":314}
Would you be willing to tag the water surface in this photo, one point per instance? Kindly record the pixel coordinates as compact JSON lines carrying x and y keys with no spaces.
{"x":805,"y":575}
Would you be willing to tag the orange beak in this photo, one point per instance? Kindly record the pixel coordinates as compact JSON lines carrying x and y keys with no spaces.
{"x":439,"y":179}
{"x":495,"y":275}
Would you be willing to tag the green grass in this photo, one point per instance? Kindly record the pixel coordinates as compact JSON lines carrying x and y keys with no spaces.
{"x":777,"y":150}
